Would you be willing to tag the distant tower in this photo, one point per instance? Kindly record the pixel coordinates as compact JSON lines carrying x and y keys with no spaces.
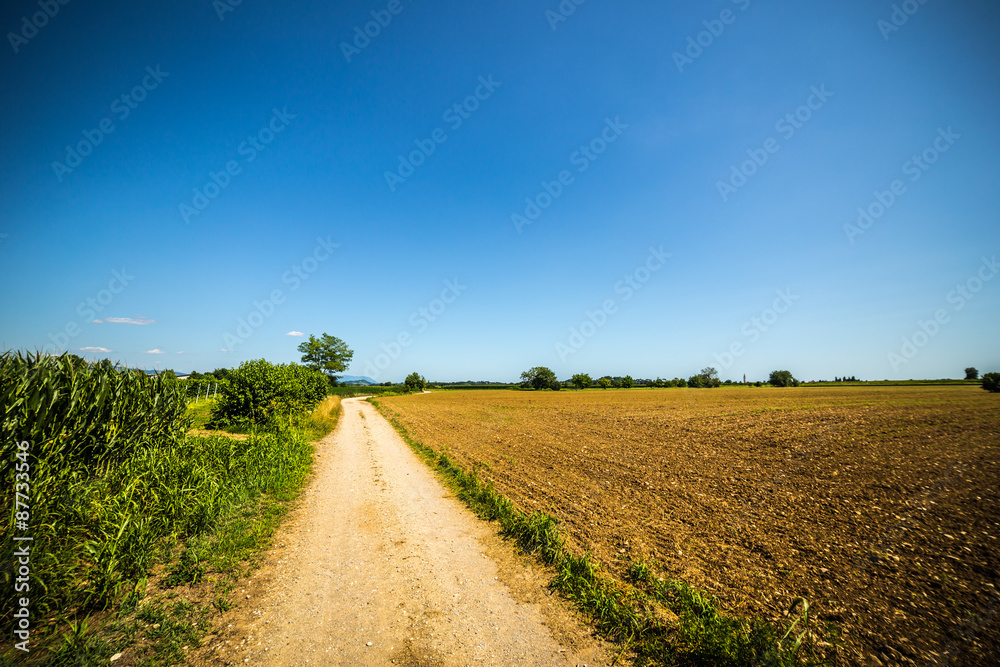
{"x":744,"y":378}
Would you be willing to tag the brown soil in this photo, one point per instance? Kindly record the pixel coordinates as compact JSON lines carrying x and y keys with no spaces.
{"x":878,"y":505}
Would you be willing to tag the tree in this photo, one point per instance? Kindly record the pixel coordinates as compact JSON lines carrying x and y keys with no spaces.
{"x":628,"y":382}
{"x":327,"y":354}
{"x":220,"y":373}
{"x":971,"y":373}
{"x":582,"y":380}
{"x":991,"y":382}
{"x":415,"y":382}
{"x":783,"y":379}
{"x":539,"y":377}
{"x":710,"y":374}
{"x":696,"y":381}
{"x":604,"y":383}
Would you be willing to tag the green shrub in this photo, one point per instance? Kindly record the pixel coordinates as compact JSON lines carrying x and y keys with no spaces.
{"x":415,"y":382}
{"x":258,"y":392}
{"x":783,"y":379}
{"x":991,"y":382}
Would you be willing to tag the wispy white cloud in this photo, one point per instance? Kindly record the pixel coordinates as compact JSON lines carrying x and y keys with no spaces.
{"x":154,"y":351}
{"x":181,"y":352}
{"x":295,"y":333}
{"x":94,"y":349}
{"x":141,"y":321}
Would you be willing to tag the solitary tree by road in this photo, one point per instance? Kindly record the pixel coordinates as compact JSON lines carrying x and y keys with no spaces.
{"x":539,"y":377}
{"x":327,"y":354}
{"x":415,"y":382}
{"x":582,"y":380}
{"x":971,"y":373}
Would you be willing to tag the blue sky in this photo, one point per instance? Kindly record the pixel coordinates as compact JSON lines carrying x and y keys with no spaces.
{"x":697,"y":204}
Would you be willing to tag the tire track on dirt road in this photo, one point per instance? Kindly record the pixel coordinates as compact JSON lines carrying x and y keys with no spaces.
{"x":381,"y":565}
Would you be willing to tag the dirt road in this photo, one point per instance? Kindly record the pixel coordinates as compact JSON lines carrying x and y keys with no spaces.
{"x":381,"y":565}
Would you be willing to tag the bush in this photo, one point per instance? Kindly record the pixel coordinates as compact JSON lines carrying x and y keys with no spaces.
{"x":539,"y":377}
{"x":258,"y":392}
{"x":703,"y":380}
{"x":415,"y":382}
{"x":991,"y":382}
{"x":783,"y":379}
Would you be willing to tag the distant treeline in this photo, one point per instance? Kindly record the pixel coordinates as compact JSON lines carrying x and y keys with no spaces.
{"x":348,"y":391}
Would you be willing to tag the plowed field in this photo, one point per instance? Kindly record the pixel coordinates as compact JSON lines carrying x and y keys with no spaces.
{"x":877,"y":504}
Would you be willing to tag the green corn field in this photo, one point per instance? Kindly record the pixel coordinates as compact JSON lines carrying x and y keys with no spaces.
{"x":115,"y":482}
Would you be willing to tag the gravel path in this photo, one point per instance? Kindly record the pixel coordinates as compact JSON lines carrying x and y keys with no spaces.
{"x":381,"y":565}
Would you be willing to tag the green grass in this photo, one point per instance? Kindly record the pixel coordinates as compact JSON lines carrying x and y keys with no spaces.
{"x":662,"y":622}
{"x":200,"y":413}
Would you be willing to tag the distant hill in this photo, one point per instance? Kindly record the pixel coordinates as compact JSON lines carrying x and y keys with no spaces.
{"x":350,"y":380}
